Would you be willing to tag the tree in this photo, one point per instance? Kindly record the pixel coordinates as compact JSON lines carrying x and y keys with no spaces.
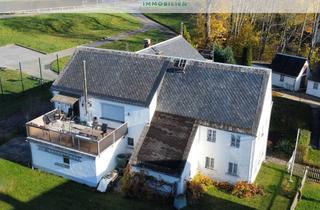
{"x":246,"y":58}
{"x":223,"y":55}
{"x":186,"y":34}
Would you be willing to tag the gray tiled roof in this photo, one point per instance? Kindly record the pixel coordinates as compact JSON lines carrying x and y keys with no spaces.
{"x":120,"y":76}
{"x":228,"y":97}
{"x":175,"y":47}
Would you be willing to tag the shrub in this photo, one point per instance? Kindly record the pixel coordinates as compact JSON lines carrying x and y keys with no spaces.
{"x":223,"y":55}
{"x":246,"y":190}
{"x":246,"y":58}
{"x":285,"y":145}
{"x":225,"y":186}
{"x":303,"y":146}
{"x":198,"y":186}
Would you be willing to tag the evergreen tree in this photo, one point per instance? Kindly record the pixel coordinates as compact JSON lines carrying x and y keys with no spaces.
{"x":246,"y":58}
{"x":223,"y":55}
{"x":186,"y":34}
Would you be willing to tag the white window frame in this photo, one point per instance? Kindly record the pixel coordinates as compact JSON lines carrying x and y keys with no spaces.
{"x":315,"y":85}
{"x":132,"y":142}
{"x":211,"y":135}
{"x":282,"y":78}
{"x":209,"y":163}
{"x":233,"y":169}
{"x":235,"y":141}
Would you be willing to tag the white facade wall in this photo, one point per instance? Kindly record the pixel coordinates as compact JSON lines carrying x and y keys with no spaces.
{"x":288,"y":82}
{"x":223,"y":153}
{"x":88,"y":169}
{"x":260,"y":143}
{"x":311,"y":90}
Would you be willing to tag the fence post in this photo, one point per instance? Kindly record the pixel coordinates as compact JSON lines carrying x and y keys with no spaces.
{"x":21,"y":77}
{"x":40,"y":71}
{"x":58,"y":64}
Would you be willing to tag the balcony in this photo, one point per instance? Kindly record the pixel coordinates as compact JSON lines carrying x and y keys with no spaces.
{"x":56,"y":128}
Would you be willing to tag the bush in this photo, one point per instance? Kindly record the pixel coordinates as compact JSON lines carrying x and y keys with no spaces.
{"x":285,"y":145}
{"x":198,"y":186}
{"x":225,"y":186}
{"x":246,"y":58}
{"x":246,"y":190}
{"x":303,"y":146}
{"x":223,"y":55}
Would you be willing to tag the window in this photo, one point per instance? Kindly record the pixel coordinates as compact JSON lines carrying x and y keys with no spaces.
{"x":281,"y":78}
{"x":130,"y":141}
{"x":66,"y":160}
{"x":235,"y":141}
{"x":180,"y":63}
{"x":112,"y":112}
{"x":209,"y":163}
{"x":233,"y":169}
{"x":315,"y":85}
{"x":211,"y":135}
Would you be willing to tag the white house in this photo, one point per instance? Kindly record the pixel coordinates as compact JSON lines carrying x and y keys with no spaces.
{"x":176,"y":115}
{"x":290,"y":72}
{"x":313,"y":87}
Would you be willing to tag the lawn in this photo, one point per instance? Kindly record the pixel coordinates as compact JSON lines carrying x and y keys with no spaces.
{"x":135,"y":42}
{"x":132,"y":43}
{"x":53,"y":32}
{"x":23,"y":188}
{"x":278,"y":192}
{"x":62,"y":63}
{"x":314,"y":157}
{"x":173,"y":21}
{"x":14,"y":100}
{"x":310,"y":197}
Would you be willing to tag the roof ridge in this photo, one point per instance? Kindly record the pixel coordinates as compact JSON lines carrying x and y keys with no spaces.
{"x":160,"y":43}
{"x":294,"y":56}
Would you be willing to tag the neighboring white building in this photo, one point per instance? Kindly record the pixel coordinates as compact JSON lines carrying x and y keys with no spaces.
{"x":177,"y":115}
{"x":313,"y":87}
{"x":290,"y":72}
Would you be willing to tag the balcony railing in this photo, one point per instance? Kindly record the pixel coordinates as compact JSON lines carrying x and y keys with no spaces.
{"x":77,"y":137}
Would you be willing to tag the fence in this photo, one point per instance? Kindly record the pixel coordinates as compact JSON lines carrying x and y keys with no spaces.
{"x":298,"y":195}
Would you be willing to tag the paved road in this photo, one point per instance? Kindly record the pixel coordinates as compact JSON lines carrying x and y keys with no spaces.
{"x":11,"y":55}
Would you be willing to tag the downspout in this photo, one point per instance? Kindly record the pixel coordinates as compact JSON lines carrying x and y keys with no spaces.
{"x":251,"y":159}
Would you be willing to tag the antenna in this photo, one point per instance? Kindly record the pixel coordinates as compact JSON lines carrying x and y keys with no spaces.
{"x":85,"y":88}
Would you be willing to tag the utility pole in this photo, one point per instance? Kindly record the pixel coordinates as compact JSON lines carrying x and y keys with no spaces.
{"x":85,"y":89}
{"x":181,"y":28}
{"x":58,"y":64}
{"x":21,"y":77}
{"x":40,"y":71}
{"x":294,"y":155}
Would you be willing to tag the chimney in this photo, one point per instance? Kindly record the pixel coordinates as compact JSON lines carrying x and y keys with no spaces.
{"x":147,"y":43}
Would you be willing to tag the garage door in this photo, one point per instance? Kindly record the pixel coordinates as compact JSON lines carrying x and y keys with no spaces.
{"x":112,"y":112}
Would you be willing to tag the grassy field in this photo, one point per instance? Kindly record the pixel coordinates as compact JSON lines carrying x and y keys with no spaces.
{"x":314,"y":157}
{"x":135,"y":42}
{"x":14,"y":100}
{"x":310,"y":197}
{"x":62,"y":63}
{"x":132,"y":43}
{"x":278,"y":192}
{"x":173,"y":21}
{"x":55,"y":32}
{"x":23,"y":188}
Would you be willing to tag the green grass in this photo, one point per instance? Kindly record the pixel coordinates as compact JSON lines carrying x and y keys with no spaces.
{"x":310,"y":197}
{"x":278,"y":192}
{"x":14,"y":100}
{"x":53,"y":32}
{"x":135,"y":42}
{"x":173,"y":20}
{"x":314,"y":157}
{"x":62,"y":63}
{"x":23,"y":188}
